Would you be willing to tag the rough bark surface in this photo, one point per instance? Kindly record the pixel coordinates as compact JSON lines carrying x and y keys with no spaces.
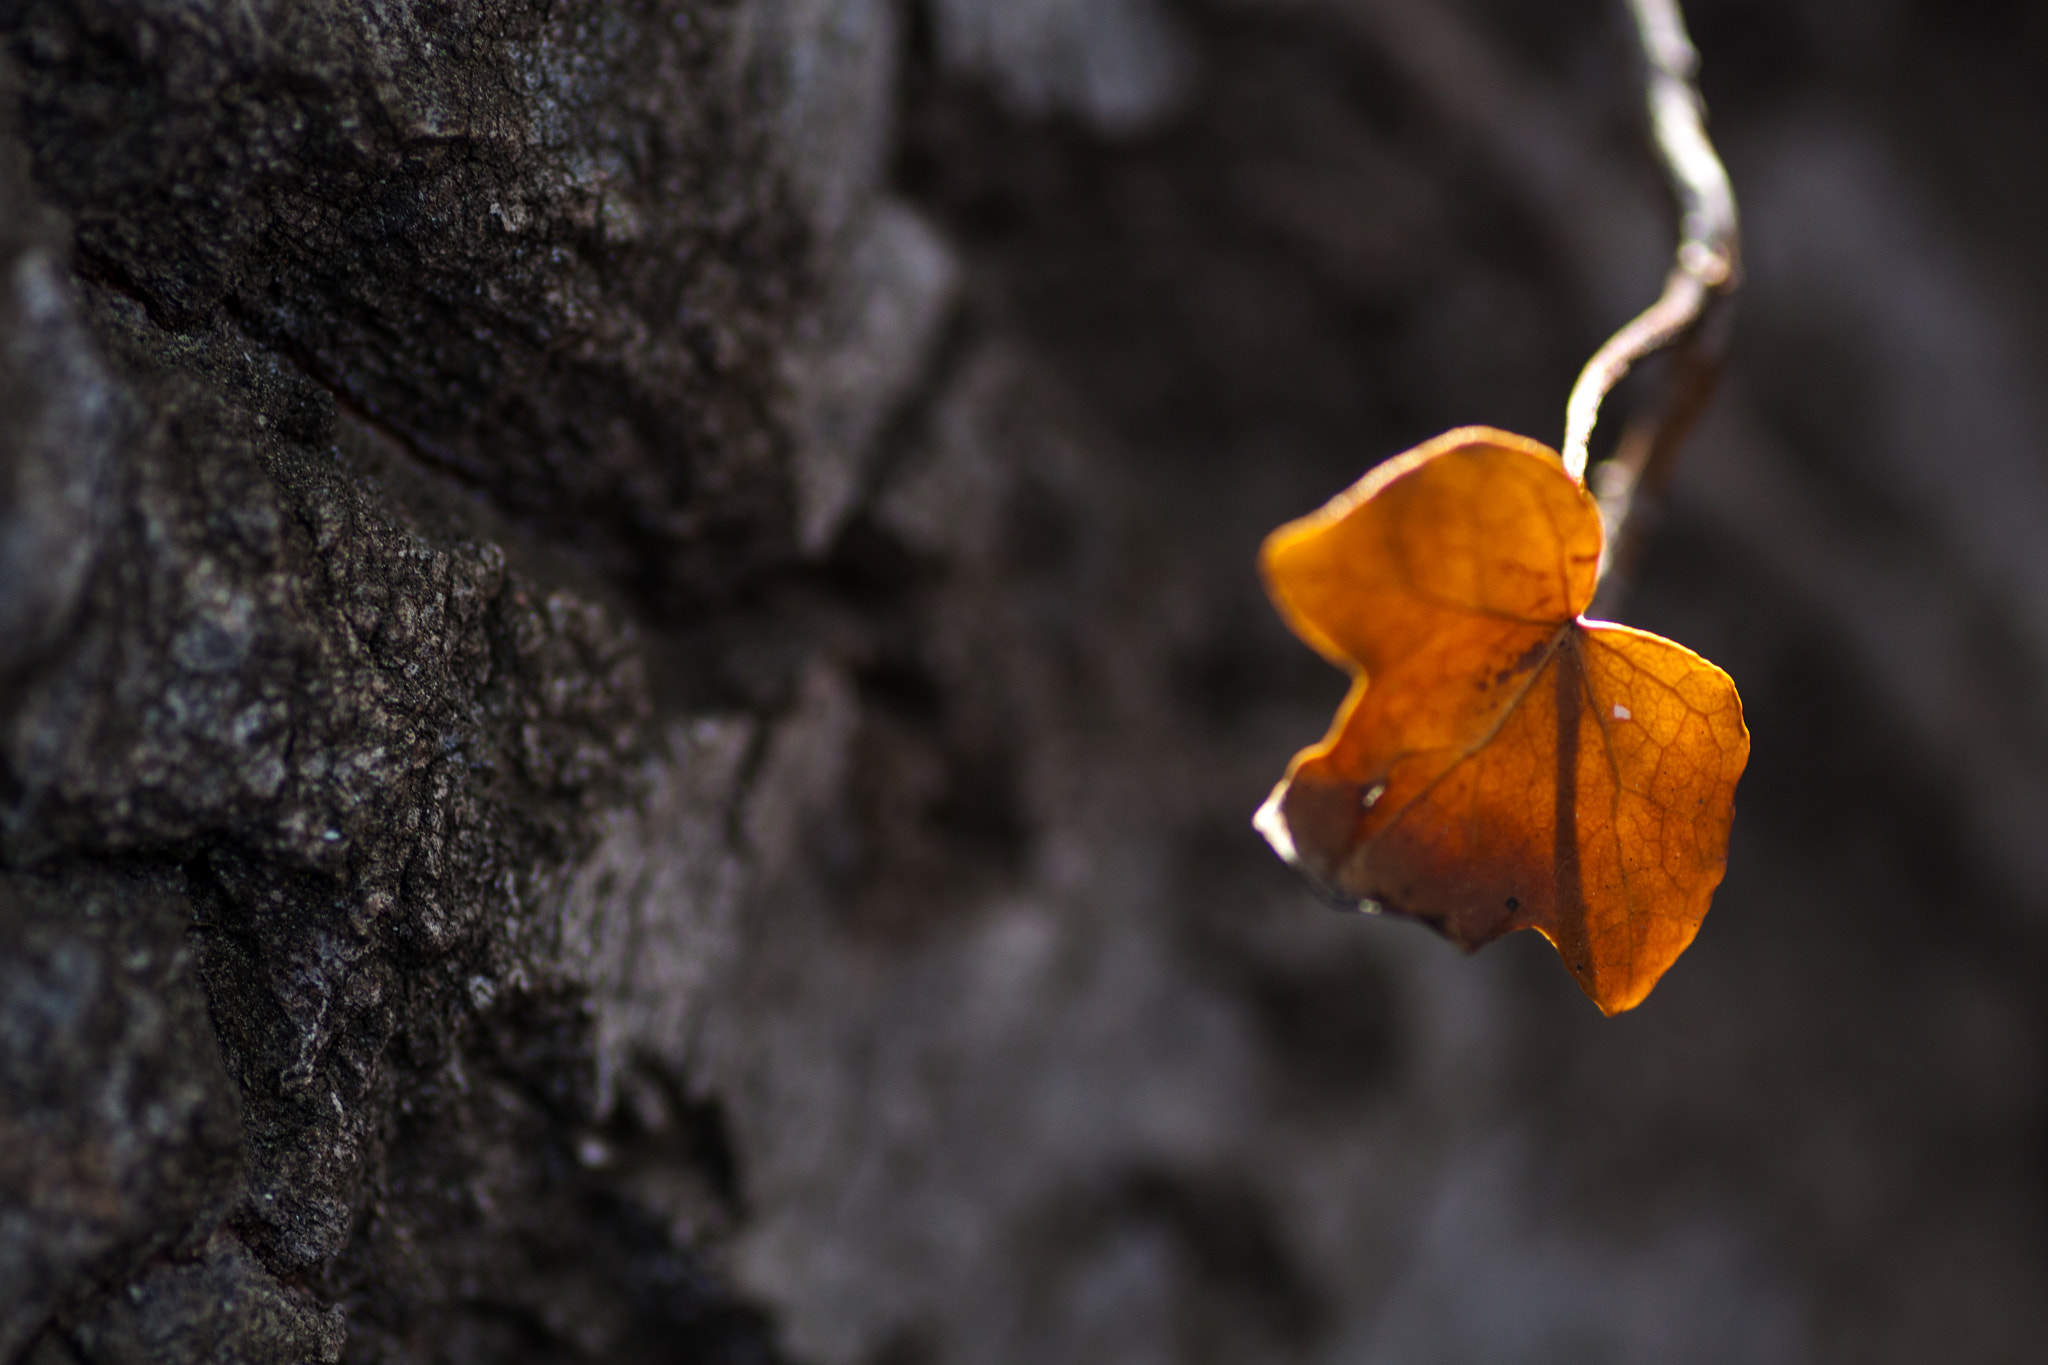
{"x":630,"y":687}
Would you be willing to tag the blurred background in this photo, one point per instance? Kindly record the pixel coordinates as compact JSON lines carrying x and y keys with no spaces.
{"x":1145,"y":1099}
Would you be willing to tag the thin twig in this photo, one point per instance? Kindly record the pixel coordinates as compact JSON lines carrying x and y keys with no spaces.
{"x":1706,"y":272}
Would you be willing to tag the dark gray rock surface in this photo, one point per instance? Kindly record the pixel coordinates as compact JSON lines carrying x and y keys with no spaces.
{"x":220,"y":1306}
{"x":117,"y":1123}
{"x":630,"y":688}
{"x":531,"y":240}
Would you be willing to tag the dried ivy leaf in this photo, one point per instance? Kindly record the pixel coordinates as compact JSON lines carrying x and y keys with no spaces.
{"x":1501,"y":763}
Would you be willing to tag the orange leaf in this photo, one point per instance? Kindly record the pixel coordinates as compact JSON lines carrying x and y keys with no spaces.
{"x":1501,"y":763}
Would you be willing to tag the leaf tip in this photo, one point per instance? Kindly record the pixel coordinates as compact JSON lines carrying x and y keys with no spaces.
{"x":1271,"y":821}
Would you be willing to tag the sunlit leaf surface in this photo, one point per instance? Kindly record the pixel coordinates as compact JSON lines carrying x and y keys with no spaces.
{"x":1501,"y":763}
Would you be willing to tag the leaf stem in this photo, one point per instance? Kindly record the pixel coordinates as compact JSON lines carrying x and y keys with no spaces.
{"x":1692,"y":309}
